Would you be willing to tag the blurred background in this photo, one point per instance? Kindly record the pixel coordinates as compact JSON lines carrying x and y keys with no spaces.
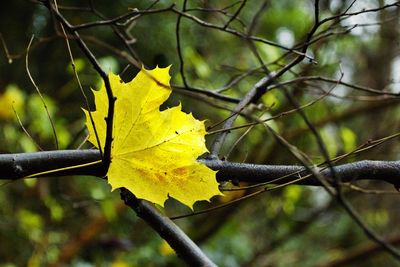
{"x":347,"y":86}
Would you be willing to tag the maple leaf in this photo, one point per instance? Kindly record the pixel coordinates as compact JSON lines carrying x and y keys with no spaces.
{"x":153,"y":152}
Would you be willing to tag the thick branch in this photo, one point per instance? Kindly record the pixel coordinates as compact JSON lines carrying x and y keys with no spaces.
{"x":20,"y":165}
{"x":15,"y":166}
{"x":178,"y":240}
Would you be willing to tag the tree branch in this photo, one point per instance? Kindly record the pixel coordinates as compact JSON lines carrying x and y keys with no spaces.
{"x":176,"y":238}
{"x":87,"y":162}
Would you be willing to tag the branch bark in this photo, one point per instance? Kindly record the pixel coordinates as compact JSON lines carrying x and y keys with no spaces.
{"x":87,"y":162}
{"x":176,"y":238}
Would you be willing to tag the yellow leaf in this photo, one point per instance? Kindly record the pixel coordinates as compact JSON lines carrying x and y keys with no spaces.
{"x":153,"y":152}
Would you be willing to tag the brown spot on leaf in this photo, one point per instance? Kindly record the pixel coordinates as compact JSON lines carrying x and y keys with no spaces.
{"x":180,"y":171}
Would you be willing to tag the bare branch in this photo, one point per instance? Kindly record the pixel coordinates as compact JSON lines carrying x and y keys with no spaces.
{"x":176,"y":238}
{"x":20,"y":165}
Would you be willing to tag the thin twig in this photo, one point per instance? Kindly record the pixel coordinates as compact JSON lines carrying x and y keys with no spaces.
{"x":178,"y":45}
{"x":8,"y":56}
{"x":239,"y":34}
{"x":39,"y":93}
{"x":235,"y":14}
{"x":80,"y":86}
{"x":111,"y":99}
{"x":25,"y":130}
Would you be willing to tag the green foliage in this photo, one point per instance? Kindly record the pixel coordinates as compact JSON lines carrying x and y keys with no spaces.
{"x":349,"y":139}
